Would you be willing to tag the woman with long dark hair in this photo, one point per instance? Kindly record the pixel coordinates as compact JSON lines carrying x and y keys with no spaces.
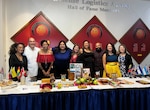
{"x":62,"y":56}
{"x":75,"y":53}
{"x":110,"y":62}
{"x":87,"y":57}
{"x":17,"y":59}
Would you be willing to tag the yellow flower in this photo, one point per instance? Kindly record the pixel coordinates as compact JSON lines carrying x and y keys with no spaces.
{"x":48,"y":41}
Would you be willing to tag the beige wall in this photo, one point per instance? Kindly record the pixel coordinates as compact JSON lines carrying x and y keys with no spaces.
{"x":2,"y":36}
{"x":121,"y":16}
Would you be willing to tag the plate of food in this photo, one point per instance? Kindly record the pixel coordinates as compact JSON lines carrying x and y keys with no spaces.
{"x":114,"y":83}
{"x":143,"y":82}
{"x":8,"y":84}
{"x":82,"y":86}
{"x":103,"y":81}
{"x":65,"y":83}
{"x":125,"y":82}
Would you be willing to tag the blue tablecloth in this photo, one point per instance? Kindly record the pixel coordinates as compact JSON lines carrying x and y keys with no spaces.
{"x":113,"y":99}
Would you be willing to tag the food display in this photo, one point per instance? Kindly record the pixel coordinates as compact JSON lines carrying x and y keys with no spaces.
{"x":117,"y":82}
{"x":103,"y":81}
{"x":50,"y":84}
{"x":50,"y":80}
{"x":83,"y":82}
{"x":45,"y":80}
{"x":125,"y":82}
{"x":86,"y":81}
{"x":61,"y":84}
{"x":46,"y":84}
{"x":143,"y":82}
{"x":114,"y":83}
{"x":7,"y":84}
{"x":45,"y":87}
{"x":82,"y":86}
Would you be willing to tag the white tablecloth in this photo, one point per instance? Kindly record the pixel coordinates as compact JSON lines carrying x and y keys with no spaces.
{"x":34,"y":87}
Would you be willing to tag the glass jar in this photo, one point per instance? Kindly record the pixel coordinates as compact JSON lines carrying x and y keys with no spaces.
{"x":63,"y":77}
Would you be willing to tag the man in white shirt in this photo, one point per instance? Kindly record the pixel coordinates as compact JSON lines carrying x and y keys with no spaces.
{"x":31,"y":52}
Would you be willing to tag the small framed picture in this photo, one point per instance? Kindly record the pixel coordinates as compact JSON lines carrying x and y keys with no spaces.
{"x":85,"y":72}
{"x":76,"y":68}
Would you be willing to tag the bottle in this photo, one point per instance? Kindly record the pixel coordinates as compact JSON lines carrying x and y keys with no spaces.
{"x":22,"y":80}
{"x":28,"y":80}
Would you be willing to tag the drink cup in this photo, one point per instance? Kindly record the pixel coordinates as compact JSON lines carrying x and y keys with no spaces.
{"x":63,"y":77}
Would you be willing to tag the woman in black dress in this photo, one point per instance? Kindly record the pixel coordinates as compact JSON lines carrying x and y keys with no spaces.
{"x":17,"y":59}
{"x":87,"y":57}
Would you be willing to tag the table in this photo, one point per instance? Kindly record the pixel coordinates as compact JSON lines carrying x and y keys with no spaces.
{"x":94,"y":98}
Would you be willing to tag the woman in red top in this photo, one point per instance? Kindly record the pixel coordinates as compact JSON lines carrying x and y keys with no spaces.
{"x":75,"y":54}
{"x":45,"y":60}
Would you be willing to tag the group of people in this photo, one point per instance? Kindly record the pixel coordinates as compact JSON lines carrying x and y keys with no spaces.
{"x":39,"y":63}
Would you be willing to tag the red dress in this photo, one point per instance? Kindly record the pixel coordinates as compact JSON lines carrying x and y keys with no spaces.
{"x":45,"y":60}
{"x":73,"y":58}
{"x":42,"y":58}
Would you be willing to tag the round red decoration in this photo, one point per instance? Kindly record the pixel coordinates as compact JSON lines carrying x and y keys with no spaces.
{"x":41,"y":30}
{"x":95,"y":32}
{"x":140,"y":34}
